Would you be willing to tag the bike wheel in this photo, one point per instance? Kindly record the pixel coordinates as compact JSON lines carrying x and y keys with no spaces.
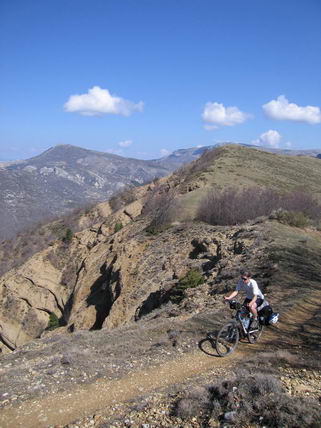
{"x":208,"y":346}
{"x":227,"y":339}
{"x":254,"y":336}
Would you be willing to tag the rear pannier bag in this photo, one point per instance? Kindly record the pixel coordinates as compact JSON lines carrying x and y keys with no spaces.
{"x":264,"y":315}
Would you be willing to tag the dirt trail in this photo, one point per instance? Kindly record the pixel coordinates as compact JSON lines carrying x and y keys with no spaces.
{"x":63,"y":408}
{"x":69,"y":406}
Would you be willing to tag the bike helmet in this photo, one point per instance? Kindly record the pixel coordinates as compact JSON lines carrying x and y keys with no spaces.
{"x":273,"y":318}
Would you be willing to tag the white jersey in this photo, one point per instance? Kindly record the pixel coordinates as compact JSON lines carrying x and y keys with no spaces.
{"x":251,"y":289}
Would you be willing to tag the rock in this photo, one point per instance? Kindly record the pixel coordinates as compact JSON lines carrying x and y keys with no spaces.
{"x":230,"y":416}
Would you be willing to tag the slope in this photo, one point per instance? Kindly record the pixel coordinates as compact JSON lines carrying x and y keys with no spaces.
{"x":238,"y":166}
{"x":98,"y":371}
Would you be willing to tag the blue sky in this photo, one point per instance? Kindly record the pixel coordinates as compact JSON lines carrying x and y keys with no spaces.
{"x":144,"y":77}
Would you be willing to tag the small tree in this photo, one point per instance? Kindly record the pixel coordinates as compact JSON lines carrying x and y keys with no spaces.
{"x":192,"y":279}
{"x":68,"y":236}
{"x":53,"y":321}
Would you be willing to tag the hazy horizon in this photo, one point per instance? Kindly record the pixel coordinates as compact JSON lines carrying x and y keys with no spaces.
{"x":141,"y":79}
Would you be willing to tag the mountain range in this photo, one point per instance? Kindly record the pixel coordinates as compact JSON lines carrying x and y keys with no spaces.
{"x":66,"y":177}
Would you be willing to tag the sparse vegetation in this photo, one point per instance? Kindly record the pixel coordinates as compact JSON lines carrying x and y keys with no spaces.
{"x":118,"y":227}
{"x":192,"y":279}
{"x":122,"y":198}
{"x":233,"y":206}
{"x":68,"y":236}
{"x":17,"y":250}
{"x":53,"y":322}
{"x":292,"y":218}
{"x":161,"y":206}
{"x":154,"y":230}
{"x":249,"y":399}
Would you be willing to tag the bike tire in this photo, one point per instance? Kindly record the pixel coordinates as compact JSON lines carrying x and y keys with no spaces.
{"x":227,"y":339}
{"x":208,"y":346}
{"x":255,"y":335}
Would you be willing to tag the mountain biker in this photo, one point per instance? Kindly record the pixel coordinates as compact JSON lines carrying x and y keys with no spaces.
{"x":254,"y":296}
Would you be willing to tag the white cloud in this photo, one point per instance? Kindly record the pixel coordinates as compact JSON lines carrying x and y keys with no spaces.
{"x":269,"y":138}
{"x":215,"y":115}
{"x":125,"y":143}
{"x":114,"y":151}
{"x":165,"y":152}
{"x":281,"y":109}
{"x":98,"y":102}
{"x":288,"y":144}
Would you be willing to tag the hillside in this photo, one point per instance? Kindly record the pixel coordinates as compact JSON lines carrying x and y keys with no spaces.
{"x":66,"y":277}
{"x":67,"y":177}
{"x":87,"y":377}
{"x":116,"y":288}
{"x":64,"y":178}
{"x":239,"y":166}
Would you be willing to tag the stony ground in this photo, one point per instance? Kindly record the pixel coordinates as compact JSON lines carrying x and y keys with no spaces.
{"x":132,"y":377}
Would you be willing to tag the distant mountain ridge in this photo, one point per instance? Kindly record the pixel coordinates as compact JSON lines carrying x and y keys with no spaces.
{"x":63,"y":178}
{"x":66,"y":177}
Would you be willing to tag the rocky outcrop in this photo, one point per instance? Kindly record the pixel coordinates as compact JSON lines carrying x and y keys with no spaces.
{"x":27,"y":296}
{"x":62,"y":280}
{"x":104,"y":279}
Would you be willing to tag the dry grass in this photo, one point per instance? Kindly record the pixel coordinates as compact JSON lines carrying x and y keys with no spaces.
{"x":248,"y":399}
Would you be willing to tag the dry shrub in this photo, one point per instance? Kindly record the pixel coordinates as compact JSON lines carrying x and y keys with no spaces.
{"x":161,"y":205}
{"x":195,"y":401}
{"x":17,"y":250}
{"x":233,"y":206}
{"x":122,"y":198}
{"x":293,"y":218}
{"x":201,"y":164}
{"x":250,"y":400}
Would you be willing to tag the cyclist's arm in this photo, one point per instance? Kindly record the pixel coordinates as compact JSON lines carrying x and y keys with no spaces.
{"x":233,"y":294}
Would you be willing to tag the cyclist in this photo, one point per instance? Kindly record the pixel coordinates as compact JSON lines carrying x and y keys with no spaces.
{"x":254,"y":296}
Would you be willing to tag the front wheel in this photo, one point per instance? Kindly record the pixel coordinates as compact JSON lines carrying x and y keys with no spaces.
{"x":227,"y":339}
{"x":254,"y":336}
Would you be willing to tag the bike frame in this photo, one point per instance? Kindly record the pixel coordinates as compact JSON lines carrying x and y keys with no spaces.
{"x":237,"y":318}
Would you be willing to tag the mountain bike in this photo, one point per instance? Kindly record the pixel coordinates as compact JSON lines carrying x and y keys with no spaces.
{"x":238,"y":328}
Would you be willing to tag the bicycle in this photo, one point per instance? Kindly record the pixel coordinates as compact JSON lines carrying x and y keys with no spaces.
{"x":238,"y":328}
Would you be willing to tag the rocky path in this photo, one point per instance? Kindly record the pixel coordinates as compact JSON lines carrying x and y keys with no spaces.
{"x":66,"y":407}
{"x":63,"y":408}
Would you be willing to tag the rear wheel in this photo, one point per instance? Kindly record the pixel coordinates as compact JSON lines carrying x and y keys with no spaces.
{"x":254,"y":336}
{"x":227,"y":339}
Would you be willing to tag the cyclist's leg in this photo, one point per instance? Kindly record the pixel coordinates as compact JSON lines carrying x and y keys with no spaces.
{"x":253,"y":307}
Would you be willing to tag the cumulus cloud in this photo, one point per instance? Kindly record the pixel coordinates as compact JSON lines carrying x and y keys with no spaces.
{"x":281,"y":109}
{"x":165,"y":152}
{"x":125,"y":143}
{"x":99,"y":102}
{"x":269,"y":138}
{"x":215,"y":115}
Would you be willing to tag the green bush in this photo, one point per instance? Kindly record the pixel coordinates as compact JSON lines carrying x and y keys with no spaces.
{"x":192,"y":279}
{"x":53,"y":321}
{"x":155,"y":230}
{"x":68,"y":236}
{"x":118,"y":227}
{"x":292,"y":218}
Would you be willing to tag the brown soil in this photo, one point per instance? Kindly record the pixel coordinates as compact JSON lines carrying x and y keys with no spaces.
{"x":63,"y":408}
